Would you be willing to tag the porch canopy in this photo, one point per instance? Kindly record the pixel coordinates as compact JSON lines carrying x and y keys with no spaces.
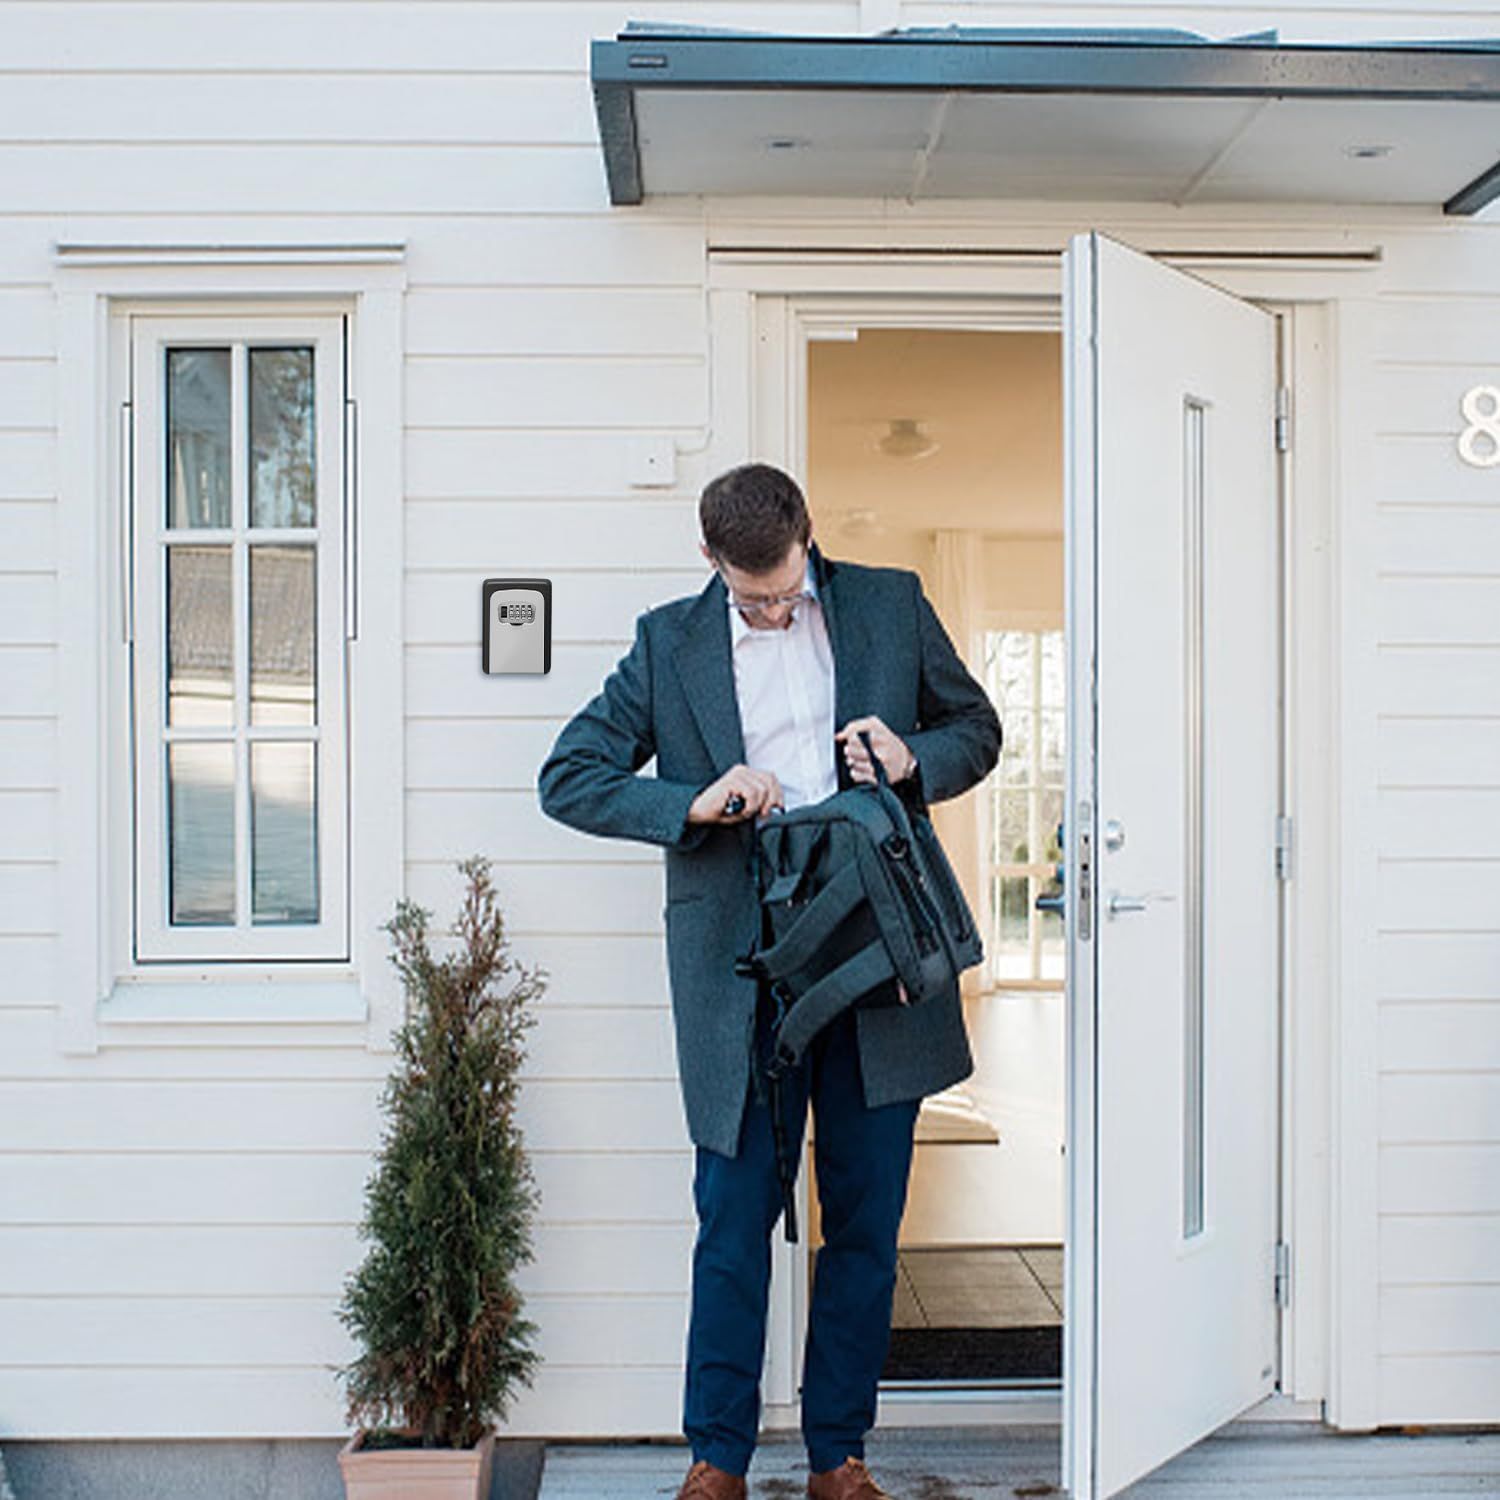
{"x":1148,"y":115}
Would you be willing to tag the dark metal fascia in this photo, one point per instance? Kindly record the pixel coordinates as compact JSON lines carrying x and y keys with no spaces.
{"x":1476,"y":195}
{"x":614,"y":108}
{"x":903,"y":64}
{"x":1236,"y":69}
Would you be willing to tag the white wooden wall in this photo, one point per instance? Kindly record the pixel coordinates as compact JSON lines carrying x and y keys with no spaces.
{"x":176,"y":1220}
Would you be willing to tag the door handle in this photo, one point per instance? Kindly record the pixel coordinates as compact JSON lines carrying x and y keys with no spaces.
{"x":1116,"y":904}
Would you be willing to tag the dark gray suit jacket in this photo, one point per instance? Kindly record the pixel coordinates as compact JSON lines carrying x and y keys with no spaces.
{"x":673,"y":695}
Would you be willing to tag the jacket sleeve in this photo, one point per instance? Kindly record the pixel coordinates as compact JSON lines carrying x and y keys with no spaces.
{"x":589,"y":779}
{"x":958,"y":734}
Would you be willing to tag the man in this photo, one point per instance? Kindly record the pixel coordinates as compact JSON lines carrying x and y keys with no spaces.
{"x":749,"y":695}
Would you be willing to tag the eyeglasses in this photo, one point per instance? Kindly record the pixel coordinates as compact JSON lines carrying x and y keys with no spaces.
{"x":760,"y":609}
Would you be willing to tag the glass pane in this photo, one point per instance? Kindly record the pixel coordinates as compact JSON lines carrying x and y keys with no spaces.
{"x":282,"y":492}
{"x":200,"y":636}
{"x":197,"y":485}
{"x":1012,"y":685}
{"x":283,"y":635}
{"x":200,"y":814}
{"x":1015,"y":746}
{"x":1054,"y":667}
{"x":1010,"y":895}
{"x":1014,"y":847}
{"x":1054,"y":766}
{"x":1054,"y":946}
{"x":283,"y":841}
{"x":1051,"y":816}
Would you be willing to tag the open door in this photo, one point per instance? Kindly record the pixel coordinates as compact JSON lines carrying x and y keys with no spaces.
{"x":1171,"y":836}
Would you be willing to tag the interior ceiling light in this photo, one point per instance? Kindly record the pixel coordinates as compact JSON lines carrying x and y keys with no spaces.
{"x":787,"y":143}
{"x":906,"y":440}
{"x":1367,"y":152}
{"x":864,"y":520}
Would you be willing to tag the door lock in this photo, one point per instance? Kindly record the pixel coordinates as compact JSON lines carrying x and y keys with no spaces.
{"x":1114,"y":834}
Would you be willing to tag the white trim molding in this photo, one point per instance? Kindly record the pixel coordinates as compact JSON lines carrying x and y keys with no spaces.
{"x":99,"y":1002}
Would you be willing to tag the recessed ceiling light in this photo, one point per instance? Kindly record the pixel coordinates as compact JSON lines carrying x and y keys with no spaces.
{"x":905,"y":439}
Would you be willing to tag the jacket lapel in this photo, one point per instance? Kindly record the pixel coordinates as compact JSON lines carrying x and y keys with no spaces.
{"x":703,"y":663}
{"x":848,"y":686}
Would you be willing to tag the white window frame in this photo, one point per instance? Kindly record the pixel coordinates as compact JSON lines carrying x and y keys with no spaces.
{"x":106,"y":995}
{"x":155,"y":937}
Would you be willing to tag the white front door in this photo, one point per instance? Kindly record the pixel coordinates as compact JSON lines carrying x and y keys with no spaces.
{"x":1171,"y":881}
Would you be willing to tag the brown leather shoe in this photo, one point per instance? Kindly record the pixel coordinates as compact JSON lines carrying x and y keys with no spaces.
{"x":850,"y":1481}
{"x":705,"y":1482}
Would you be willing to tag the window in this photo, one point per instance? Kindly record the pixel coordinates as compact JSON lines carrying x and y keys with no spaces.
{"x":237,"y":637}
{"x":1024,"y":672}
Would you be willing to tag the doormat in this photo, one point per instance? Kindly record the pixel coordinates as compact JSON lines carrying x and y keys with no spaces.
{"x":975,"y":1353}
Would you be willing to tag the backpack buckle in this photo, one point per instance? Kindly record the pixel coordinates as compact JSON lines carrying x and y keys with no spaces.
{"x":749,"y":966}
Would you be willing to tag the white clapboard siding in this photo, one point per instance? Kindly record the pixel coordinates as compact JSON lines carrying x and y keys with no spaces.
{"x":584,"y":458}
{"x":1437,"y":839}
{"x":622,"y":535}
{"x":28,"y":394}
{"x":28,"y":964}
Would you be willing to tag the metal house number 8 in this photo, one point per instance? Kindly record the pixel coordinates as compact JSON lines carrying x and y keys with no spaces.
{"x":1483,"y":424}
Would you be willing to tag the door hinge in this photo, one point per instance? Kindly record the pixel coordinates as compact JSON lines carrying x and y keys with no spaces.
{"x":1283,"y":847}
{"x":1283,"y":1285}
{"x":1283,"y":419}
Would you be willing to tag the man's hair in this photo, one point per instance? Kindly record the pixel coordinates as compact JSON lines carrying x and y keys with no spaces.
{"x":751,"y":515}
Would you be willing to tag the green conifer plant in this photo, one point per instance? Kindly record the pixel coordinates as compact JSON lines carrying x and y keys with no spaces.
{"x":448,"y":1207}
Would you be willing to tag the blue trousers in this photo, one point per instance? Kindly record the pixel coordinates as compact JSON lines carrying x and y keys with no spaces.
{"x":863,"y":1159}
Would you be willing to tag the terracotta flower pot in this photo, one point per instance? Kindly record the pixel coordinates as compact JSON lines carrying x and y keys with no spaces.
{"x":416,"y":1473}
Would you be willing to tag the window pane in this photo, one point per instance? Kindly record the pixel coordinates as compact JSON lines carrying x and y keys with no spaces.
{"x":1013,"y":685}
{"x":1015,"y":747}
{"x":284,"y":846}
{"x":282,"y":492}
{"x":1054,"y":946}
{"x":283,"y":635}
{"x":197,"y":437}
{"x":200,"y":802}
{"x":1051,"y":816}
{"x":1011,"y":897}
{"x":1054,"y":668}
{"x":1014,"y":846}
{"x":200,"y":636}
{"x":1054,"y":767}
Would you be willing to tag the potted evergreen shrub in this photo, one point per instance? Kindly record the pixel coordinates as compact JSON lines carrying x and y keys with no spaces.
{"x":448,"y":1213}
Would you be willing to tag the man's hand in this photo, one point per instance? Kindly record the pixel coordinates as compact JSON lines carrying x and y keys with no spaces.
{"x":760,"y":789}
{"x":898,"y":760}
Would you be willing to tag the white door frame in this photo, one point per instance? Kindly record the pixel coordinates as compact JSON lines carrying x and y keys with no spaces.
{"x":762,"y":310}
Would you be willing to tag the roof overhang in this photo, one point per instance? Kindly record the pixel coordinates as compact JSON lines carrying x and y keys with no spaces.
{"x":1143,"y":115}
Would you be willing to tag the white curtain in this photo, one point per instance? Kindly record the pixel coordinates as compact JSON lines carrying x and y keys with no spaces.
{"x":961,"y":822}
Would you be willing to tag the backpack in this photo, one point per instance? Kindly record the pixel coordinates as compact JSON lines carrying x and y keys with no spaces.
{"x":859,"y":906}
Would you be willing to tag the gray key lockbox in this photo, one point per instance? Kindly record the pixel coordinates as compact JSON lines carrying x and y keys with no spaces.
{"x":517,"y":625}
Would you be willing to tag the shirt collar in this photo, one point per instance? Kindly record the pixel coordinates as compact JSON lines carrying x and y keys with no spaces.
{"x":739,"y":630}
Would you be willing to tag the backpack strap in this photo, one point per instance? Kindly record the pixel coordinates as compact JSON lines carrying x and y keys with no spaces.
{"x":820,"y":919}
{"x":835,"y":991}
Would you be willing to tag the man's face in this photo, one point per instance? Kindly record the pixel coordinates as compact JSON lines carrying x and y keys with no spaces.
{"x":767,"y":600}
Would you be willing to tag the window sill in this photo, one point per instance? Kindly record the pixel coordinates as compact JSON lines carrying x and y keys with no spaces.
{"x":207,"y":1001}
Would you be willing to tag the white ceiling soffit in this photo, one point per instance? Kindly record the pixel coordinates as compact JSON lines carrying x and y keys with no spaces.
{"x":1153,"y":115}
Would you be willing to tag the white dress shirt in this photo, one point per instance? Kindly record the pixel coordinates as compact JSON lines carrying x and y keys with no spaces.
{"x":784,"y":682}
